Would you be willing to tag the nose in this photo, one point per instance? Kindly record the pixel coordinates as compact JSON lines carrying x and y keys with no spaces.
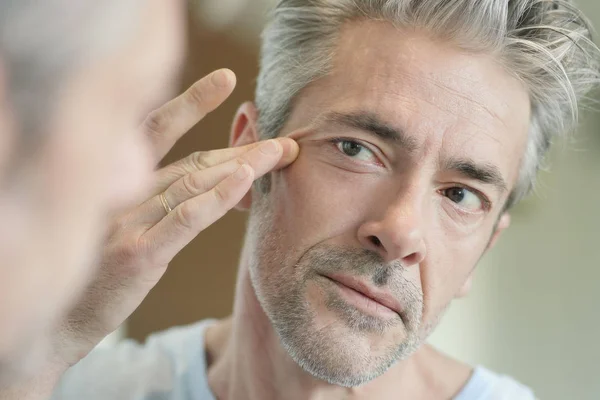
{"x":396,"y":233}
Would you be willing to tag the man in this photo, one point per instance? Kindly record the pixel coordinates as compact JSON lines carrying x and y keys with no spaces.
{"x":420,"y":124}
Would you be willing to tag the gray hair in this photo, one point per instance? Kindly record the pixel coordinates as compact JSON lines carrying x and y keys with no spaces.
{"x":546,"y":44}
{"x":43,"y":42}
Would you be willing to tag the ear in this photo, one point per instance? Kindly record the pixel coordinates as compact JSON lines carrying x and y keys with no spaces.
{"x":466,"y":287}
{"x":244,"y":131}
{"x":501,"y":225}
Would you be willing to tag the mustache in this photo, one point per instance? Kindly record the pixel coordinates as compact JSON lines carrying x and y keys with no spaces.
{"x":361,"y":262}
{"x":325,"y":259}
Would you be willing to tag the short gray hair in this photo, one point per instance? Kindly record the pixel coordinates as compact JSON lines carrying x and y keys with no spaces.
{"x":43,"y":42}
{"x":544,"y":43}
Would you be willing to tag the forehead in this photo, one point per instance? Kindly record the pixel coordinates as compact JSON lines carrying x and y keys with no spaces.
{"x":451,"y":102}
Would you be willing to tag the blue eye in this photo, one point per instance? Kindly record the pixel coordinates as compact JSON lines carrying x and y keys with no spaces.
{"x":355,"y":150}
{"x":464,"y":198}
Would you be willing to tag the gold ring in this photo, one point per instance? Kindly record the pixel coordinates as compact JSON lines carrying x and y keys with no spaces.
{"x":165,"y":203}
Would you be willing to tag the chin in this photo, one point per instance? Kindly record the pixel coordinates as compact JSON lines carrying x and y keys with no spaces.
{"x":334,"y":341}
{"x":331,"y":352}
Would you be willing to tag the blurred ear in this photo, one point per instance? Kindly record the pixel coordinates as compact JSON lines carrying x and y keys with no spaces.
{"x":7,"y":132}
{"x":244,"y":131}
{"x":503,"y":223}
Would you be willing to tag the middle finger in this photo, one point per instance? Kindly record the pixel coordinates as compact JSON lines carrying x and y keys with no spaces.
{"x":262,"y":159}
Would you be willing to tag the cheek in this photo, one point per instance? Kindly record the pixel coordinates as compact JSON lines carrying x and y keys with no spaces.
{"x":317,"y":201}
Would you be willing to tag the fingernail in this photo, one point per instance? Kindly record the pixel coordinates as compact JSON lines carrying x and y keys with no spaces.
{"x":242,"y":172}
{"x":269,"y":147}
{"x":220,"y":78}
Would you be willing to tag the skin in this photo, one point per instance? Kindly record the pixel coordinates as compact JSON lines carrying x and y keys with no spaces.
{"x":96,"y":159}
{"x":406,"y":207}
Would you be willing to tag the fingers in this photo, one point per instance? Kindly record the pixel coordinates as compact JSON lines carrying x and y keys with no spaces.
{"x":202,"y":160}
{"x":167,"y":124}
{"x":191,"y":217}
{"x":261,"y":158}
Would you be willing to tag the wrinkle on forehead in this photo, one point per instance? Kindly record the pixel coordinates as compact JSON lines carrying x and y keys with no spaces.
{"x":371,"y":54}
{"x":476,"y":103}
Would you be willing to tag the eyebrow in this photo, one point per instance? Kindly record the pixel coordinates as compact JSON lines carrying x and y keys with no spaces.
{"x":485,"y":173}
{"x":371,"y":123}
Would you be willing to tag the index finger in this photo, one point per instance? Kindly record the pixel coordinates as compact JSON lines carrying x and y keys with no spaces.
{"x":167,"y":124}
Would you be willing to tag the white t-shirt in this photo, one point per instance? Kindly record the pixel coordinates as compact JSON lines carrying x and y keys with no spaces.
{"x":172,"y":366}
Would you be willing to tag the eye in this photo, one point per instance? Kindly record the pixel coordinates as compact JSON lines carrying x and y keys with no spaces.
{"x":355,"y":150}
{"x":465,"y":198}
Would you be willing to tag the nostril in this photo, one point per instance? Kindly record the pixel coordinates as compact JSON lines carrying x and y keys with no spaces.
{"x":375,"y":240}
{"x":412,"y":259}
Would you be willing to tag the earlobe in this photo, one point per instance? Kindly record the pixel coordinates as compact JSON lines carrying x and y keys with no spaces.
{"x":501,"y":226}
{"x":466,"y":287}
{"x":244,"y":131}
{"x":503,"y":223}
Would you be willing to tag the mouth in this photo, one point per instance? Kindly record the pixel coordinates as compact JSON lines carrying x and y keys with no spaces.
{"x":366,"y":297}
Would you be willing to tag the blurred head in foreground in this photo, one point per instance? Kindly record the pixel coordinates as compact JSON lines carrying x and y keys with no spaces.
{"x":76,"y":81}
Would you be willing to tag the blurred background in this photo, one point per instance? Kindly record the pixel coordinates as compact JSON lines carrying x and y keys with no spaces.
{"x":533,"y":312}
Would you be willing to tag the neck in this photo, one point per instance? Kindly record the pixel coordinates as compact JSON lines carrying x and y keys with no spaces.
{"x":247,"y":361}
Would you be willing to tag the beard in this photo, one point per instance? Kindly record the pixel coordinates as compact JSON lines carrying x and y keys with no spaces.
{"x":325,"y":335}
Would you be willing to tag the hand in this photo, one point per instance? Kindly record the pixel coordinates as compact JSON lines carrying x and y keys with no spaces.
{"x":200,"y":189}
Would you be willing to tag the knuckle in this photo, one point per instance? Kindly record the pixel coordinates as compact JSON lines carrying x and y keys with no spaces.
{"x":200,"y":160}
{"x":220,"y":194}
{"x":188,"y":184}
{"x":185,"y":215}
{"x":240,"y":161}
{"x":192,"y":185}
{"x":154,"y":123}
{"x":117,"y":226}
{"x":124,"y":252}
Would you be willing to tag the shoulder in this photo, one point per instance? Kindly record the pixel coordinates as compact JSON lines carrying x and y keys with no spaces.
{"x":487,"y":385}
{"x":453,"y":379}
{"x":168,"y":362}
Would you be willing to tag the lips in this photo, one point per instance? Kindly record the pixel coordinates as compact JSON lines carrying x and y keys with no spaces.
{"x":366,"y":289}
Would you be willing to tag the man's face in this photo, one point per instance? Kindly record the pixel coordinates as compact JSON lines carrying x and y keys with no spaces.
{"x":408,"y":152}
